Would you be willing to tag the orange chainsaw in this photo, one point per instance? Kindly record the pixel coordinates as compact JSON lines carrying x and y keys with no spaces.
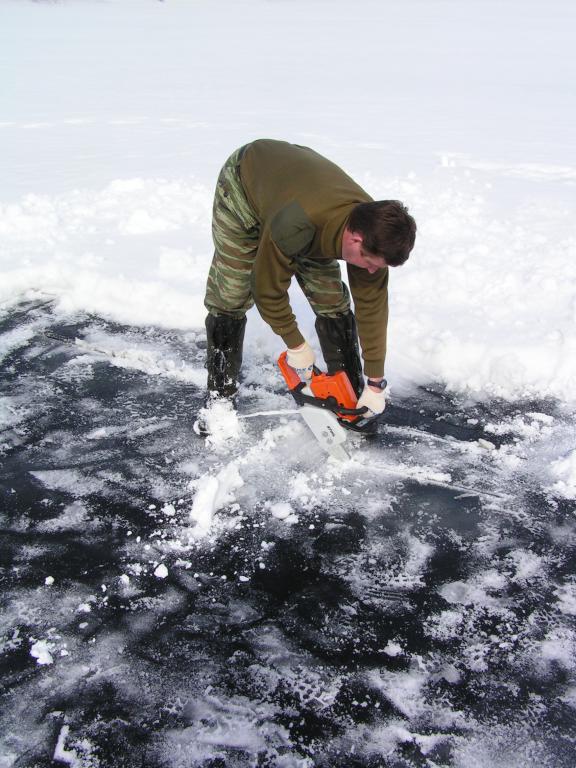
{"x":328,"y":406}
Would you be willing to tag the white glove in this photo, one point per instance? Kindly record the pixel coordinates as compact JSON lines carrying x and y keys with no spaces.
{"x":374,"y":401}
{"x":302,"y":360}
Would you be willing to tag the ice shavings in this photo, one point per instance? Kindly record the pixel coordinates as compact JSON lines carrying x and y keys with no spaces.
{"x":97,"y":434}
{"x":11,"y":642}
{"x":137,"y":357}
{"x":419,"y":552}
{"x":282,"y":510}
{"x":445,"y":625}
{"x":566,"y":594}
{"x":71,"y":480}
{"x":74,"y":516}
{"x":559,"y":645}
{"x":403,"y":689}
{"x":222,"y":423}
{"x":414,"y":472}
{"x":310,"y":488}
{"x":529,"y":426}
{"x":385,"y":739}
{"x":16,"y":338}
{"x":527,"y":566}
{"x":464,"y":593}
{"x":13,"y":411}
{"x":235,"y":723}
{"x":476,"y":656}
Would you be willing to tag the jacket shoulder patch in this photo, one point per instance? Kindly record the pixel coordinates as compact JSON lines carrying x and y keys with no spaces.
{"x":292,"y":230}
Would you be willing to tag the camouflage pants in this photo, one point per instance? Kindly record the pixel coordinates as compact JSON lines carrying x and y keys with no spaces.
{"x":236,"y":234}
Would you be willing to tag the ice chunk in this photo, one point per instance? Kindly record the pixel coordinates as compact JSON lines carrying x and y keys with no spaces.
{"x":96,"y":434}
{"x":61,"y":754}
{"x":161,"y":571}
{"x":80,"y":756}
{"x":393,"y":649}
{"x":486,"y":444}
{"x":213,"y":493}
{"x":281,"y":510}
{"x":464,"y":593}
{"x":40,"y":650}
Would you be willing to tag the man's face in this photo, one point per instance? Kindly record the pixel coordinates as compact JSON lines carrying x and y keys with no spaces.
{"x":352,"y":253}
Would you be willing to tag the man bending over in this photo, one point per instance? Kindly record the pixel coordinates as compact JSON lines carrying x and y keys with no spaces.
{"x":282,"y":211}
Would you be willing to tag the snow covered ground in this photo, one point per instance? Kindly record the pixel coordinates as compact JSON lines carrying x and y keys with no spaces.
{"x":174,"y":602}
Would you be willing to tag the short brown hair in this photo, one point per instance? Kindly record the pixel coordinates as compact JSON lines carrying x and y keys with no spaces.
{"x":387,"y":229}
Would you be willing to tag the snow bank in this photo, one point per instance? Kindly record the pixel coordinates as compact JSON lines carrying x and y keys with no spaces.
{"x":110,"y":251}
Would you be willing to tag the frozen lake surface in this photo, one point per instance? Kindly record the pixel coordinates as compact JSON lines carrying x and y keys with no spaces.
{"x":411,"y":607}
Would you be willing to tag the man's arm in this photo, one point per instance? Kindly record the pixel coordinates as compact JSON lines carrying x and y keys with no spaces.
{"x":288,"y":234}
{"x":272,"y":274}
{"x":370,"y":294}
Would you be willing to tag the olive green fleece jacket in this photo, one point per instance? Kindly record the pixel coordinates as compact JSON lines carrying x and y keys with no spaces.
{"x":302,"y":202}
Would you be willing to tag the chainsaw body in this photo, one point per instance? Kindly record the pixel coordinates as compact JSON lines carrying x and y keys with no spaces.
{"x":333,"y":394}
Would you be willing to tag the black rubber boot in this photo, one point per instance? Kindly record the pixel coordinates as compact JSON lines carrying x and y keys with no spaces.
{"x":225,"y":339}
{"x":338,"y":339}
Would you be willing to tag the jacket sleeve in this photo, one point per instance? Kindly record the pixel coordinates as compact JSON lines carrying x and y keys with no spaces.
{"x":370,"y":294}
{"x":272,"y":273}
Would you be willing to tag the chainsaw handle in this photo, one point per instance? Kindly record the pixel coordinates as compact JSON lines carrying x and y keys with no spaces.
{"x":329,"y":403}
{"x":290,"y":376}
{"x":353,"y":411}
